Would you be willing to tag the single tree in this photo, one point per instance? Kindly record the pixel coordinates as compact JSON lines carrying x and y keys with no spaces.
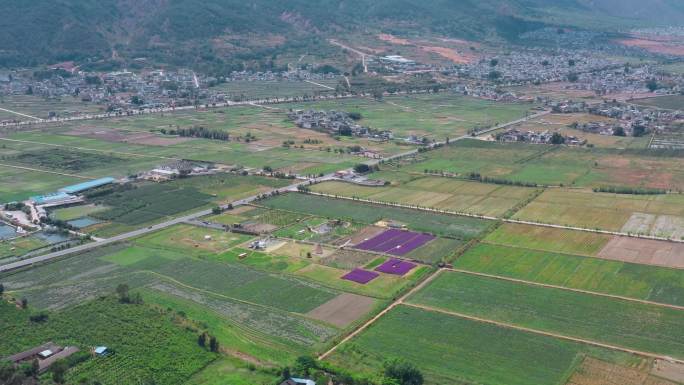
{"x":557,"y":138}
{"x":202,"y":340}
{"x":59,"y":369}
{"x":362,"y":168}
{"x":213,"y":344}
{"x":122,"y":291}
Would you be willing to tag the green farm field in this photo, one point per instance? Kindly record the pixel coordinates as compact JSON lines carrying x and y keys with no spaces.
{"x":75,"y":212}
{"x":670,"y":102}
{"x":452,"y":350}
{"x":436,"y":115}
{"x":19,"y":184}
{"x":41,"y":107}
{"x":438,"y":193}
{"x":548,"y":239}
{"x":238,"y":90}
{"x":438,"y":224}
{"x":649,"y":328}
{"x":19,"y":246}
{"x":605,"y":211}
{"x":253,"y":311}
{"x":232,"y":371}
{"x":551,"y":165}
{"x":148,"y":342}
{"x":651,"y":283}
{"x":291,"y":259}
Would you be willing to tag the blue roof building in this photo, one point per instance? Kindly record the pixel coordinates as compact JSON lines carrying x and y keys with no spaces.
{"x":77,"y":188}
{"x":51,"y":198}
{"x":100,"y":350}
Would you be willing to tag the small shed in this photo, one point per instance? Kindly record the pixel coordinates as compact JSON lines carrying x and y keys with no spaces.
{"x":100,"y":350}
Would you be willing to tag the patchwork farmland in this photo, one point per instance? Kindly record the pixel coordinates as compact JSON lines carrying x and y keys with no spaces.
{"x":278,"y":277}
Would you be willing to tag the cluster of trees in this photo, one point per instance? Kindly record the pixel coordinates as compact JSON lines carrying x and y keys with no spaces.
{"x":24,"y":373}
{"x":394,"y":372}
{"x":557,"y":138}
{"x":630,"y":190}
{"x":486,"y":179}
{"x":363,"y":168}
{"x":198,"y":132}
{"x":16,"y":206}
{"x":208,"y":341}
{"x":126,"y":297}
{"x":637,"y":131}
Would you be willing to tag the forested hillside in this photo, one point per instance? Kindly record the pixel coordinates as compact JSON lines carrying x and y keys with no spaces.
{"x":209,"y":31}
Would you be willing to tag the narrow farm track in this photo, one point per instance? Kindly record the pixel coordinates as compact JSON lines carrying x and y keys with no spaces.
{"x":45,"y":171}
{"x":20,"y":114}
{"x":319,"y":84}
{"x":544,"y":333}
{"x":384,"y":311}
{"x":522,"y":281}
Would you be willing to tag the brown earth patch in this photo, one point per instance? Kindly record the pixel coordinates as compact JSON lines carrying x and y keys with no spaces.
{"x":154,"y":140}
{"x":113,"y":135}
{"x":644,"y":251}
{"x":343,"y":309}
{"x":364,"y":234}
{"x":669,"y":370}
{"x":597,"y":372}
{"x":651,"y":44}
{"x":393,"y":39}
{"x":451,"y":54}
{"x":348,"y":259}
{"x":259,"y":228}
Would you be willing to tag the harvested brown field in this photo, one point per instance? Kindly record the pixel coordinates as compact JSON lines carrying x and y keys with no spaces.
{"x":113,"y":135}
{"x":669,"y":370}
{"x":364,"y":234}
{"x":597,"y":372}
{"x":343,"y":309}
{"x":659,"y":225}
{"x":259,"y":228}
{"x":451,"y":54}
{"x":393,"y":39}
{"x":644,"y":251}
{"x":656,"y":44}
{"x":348,"y":259}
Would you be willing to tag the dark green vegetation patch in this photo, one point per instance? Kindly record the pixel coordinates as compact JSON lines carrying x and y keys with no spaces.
{"x":147,"y":345}
{"x":149,"y":202}
{"x":66,"y":160}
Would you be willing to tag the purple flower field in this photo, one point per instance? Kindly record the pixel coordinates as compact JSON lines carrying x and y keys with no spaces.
{"x":395,"y":266}
{"x":360,"y":276}
{"x":395,"y":242}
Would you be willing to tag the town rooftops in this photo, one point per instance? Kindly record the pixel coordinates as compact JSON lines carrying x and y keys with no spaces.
{"x":76,"y":188}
